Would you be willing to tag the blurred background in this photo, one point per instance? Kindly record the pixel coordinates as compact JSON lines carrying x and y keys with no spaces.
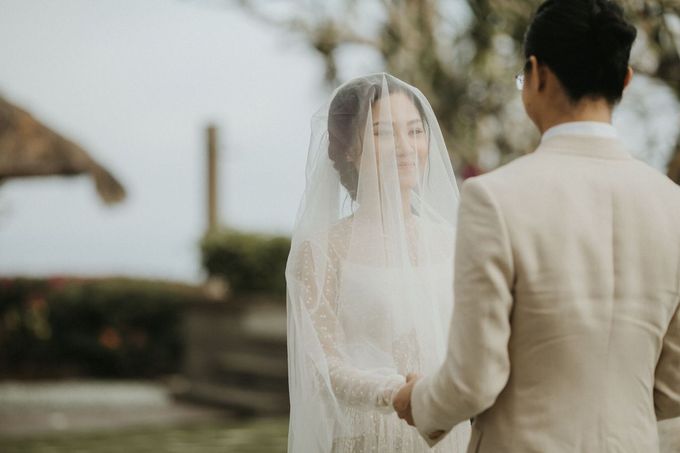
{"x":152,"y":159}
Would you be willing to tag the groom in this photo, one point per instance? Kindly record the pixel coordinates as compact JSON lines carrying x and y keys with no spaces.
{"x":566,"y":332}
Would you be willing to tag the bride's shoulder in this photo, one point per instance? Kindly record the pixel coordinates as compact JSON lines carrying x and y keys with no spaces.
{"x":331,"y":239}
{"x":339,"y":235}
{"x":340,"y":229}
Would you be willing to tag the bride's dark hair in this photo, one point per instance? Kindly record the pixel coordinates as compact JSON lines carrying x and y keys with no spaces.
{"x":586,"y":43}
{"x":347,"y":118}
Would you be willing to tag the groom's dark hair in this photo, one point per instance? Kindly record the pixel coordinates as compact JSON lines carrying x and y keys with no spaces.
{"x":586,"y":43}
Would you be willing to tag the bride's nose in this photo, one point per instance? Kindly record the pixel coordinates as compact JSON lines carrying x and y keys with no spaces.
{"x":403,"y":144}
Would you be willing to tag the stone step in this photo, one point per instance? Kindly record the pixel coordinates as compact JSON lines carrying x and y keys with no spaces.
{"x":243,"y":363}
{"x":243,"y":400}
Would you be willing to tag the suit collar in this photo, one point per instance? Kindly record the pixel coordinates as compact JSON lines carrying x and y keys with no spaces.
{"x":588,"y":128}
{"x":586,"y":146}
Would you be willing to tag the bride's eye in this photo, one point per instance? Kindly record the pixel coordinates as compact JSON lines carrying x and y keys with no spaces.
{"x":416,"y":131}
{"x":382,"y":132}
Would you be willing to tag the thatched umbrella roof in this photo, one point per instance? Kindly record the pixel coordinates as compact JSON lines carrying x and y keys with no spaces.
{"x":29,"y":148}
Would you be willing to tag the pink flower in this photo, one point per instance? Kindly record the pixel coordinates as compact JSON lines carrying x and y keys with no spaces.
{"x":110,"y":338}
{"x":56,"y":283}
{"x":37,"y":303}
{"x":470,"y":171}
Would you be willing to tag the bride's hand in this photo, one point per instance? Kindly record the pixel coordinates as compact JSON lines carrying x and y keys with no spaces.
{"x":402,"y":400}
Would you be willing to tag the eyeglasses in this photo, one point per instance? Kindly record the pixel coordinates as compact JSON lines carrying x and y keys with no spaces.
{"x":519,"y":78}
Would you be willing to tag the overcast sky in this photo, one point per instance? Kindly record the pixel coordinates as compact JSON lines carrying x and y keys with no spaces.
{"x":135,"y":83}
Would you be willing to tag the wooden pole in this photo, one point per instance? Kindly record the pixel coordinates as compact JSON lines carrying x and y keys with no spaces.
{"x":212,"y":178}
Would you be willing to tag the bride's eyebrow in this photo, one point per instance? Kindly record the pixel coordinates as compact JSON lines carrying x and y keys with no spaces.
{"x":408,"y":123}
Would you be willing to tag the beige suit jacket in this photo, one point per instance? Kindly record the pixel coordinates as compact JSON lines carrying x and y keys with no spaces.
{"x":566,"y":332}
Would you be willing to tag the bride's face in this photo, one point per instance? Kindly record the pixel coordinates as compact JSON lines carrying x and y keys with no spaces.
{"x":405,"y":138}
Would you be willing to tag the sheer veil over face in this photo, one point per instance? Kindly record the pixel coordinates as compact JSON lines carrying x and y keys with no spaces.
{"x":370,"y":272}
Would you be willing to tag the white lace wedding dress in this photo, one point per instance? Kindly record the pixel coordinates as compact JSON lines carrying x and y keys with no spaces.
{"x":369,"y":348}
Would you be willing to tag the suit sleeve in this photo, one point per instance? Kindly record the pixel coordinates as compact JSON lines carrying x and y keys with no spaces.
{"x":667,"y":375}
{"x":477,"y":365}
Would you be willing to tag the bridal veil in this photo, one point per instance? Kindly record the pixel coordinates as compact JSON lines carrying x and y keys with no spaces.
{"x":370,"y":271}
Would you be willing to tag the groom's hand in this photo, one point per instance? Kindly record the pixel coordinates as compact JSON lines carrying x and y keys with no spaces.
{"x":402,"y":400}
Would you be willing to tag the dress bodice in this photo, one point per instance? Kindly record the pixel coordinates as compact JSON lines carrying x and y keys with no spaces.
{"x":388,"y":314}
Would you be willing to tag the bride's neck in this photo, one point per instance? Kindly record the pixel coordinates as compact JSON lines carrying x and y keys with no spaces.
{"x":405,"y":206}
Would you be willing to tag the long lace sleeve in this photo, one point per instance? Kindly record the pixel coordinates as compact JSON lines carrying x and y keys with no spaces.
{"x":355,"y":387}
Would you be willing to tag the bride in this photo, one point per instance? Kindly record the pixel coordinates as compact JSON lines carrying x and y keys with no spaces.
{"x":370,"y":272}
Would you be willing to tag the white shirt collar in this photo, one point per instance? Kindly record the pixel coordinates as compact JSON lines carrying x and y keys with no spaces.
{"x":588,"y":128}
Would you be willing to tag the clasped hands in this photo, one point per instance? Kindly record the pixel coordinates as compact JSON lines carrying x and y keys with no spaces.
{"x":402,"y":403}
{"x":402,"y":399}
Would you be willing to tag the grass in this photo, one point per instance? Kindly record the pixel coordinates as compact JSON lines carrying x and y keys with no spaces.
{"x":261,"y":436}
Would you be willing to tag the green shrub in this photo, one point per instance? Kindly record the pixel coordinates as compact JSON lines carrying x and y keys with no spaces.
{"x":249,"y":262}
{"x":91,"y":327}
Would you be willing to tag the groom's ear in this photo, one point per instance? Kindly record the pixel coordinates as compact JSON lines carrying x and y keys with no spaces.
{"x":537,"y":74}
{"x":628,"y":78}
